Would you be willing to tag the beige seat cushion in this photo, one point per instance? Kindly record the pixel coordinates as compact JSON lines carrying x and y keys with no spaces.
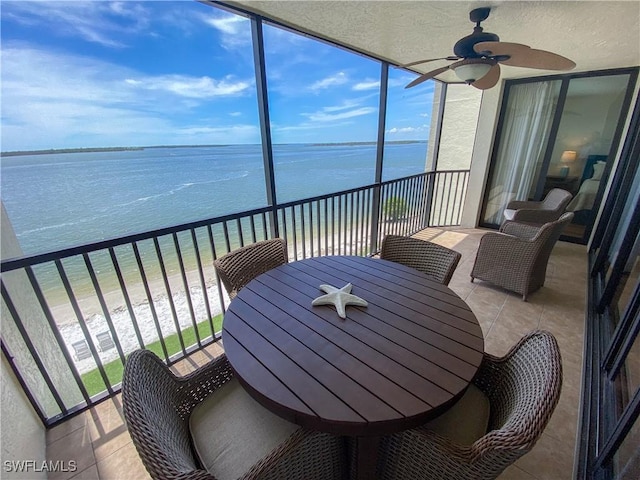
{"x":231,"y":431}
{"x":466,"y":421}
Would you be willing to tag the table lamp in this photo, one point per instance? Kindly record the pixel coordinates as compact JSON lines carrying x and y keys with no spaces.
{"x":567,"y":157}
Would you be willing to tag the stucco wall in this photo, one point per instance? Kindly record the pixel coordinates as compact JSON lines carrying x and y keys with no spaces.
{"x":35,"y":324}
{"x":22,"y":433}
{"x":483,"y":144}
{"x":458,"y":127}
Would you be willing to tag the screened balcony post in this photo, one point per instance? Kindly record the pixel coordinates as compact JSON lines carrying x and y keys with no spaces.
{"x":265,"y":123}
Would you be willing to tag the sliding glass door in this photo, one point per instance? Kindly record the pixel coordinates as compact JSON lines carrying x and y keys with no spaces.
{"x":610,"y":423}
{"x":526,"y":127}
{"x":560,"y":132}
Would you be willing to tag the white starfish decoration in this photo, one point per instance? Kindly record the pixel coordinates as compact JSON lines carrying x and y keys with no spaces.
{"x":340,"y":297}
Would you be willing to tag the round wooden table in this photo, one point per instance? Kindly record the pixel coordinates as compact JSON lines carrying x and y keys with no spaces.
{"x":392,"y":365}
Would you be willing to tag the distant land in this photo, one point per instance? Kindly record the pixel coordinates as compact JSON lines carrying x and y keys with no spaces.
{"x":68,"y":150}
{"x":121,"y":149}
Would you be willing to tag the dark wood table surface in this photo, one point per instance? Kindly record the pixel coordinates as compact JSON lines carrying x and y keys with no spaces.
{"x":392,"y":365}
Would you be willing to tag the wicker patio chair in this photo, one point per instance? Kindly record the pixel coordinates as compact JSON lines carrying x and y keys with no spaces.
{"x":205,"y":426}
{"x":239,"y":267}
{"x":538,"y":213}
{"x":435,"y":260}
{"x":520,"y":391}
{"x":516,"y":258}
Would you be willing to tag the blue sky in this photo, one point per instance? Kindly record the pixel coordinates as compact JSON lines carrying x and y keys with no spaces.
{"x":100,"y":74}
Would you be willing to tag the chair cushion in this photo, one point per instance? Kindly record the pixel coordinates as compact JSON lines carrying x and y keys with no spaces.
{"x":231,"y":431}
{"x":466,"y":421}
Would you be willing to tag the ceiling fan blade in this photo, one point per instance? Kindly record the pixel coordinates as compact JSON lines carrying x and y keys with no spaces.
{"x":451,"y":58}
{"x":427,"y":76}
{"x":525,"y":56}
{"x":489,"y":80}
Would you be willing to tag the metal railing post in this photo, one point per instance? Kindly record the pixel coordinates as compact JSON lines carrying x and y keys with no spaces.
{"x":382,"y":117}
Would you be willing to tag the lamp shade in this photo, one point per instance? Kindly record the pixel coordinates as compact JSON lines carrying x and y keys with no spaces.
{"x":470,"y":72}
{"x":568,"y":156}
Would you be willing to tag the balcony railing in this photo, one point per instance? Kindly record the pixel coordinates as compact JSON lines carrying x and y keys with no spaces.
{"x":76,"y":313}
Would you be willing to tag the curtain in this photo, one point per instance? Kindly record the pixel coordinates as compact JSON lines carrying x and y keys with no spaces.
{"x":526,"y":125}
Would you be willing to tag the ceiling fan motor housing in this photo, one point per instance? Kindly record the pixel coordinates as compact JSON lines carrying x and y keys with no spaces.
{"x":464,"y":47}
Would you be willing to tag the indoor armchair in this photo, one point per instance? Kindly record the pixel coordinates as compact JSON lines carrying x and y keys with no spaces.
{"x":547,"y":210}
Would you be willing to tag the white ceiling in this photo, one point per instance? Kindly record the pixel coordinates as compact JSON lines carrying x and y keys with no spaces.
{"x":595,"y":34}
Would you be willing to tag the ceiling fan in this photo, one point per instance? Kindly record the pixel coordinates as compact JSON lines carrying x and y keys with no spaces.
{"x":478,"y":57}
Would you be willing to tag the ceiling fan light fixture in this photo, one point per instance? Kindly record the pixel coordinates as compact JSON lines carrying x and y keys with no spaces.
{"x":470,"y":72}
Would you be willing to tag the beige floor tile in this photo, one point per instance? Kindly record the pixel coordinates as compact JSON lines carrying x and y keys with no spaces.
{"x":67,"y":427}
{"x":564,"y":422}
{"x":501,"y":339}
{"x":550,"y":459}
{"x":518,"y":314}
{"x":74,"y":447}
{"x":111,"y":443}
{"x":514,"y":473}
{"x":123,"y":464}
{"x":106,"y":419}
{"x":486,"y":304}
{"x":90,"y":473}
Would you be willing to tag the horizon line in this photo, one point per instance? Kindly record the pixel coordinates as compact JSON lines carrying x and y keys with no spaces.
{"x":48,"y":151}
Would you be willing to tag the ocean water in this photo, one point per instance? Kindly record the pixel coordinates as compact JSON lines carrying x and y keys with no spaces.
{"x":61,"y":200}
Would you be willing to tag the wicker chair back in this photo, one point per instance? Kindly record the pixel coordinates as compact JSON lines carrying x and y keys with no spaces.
{"x":239,"y":267}
{"x":430,"y":258}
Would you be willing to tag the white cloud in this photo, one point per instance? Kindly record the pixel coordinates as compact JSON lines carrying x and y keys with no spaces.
{"x":324,"y":116}
{"x":366,"y":85}
{"x":339,"y":78}
{"x":229,"y":24}
{"x":193,"y":87}
{"x":105,"y":23}
{"x":396,"y":130}
{"x":235,"y":30}
{"x":346,"y":105}
{"x":52,"y":100}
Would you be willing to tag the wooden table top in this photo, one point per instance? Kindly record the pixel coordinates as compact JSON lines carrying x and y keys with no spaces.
{"x":389,"y":366}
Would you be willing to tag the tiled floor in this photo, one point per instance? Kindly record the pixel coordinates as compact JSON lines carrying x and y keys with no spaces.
{"x":100,"y":444}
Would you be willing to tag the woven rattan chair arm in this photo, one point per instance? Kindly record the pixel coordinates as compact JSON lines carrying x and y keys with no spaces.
{"x":422,"y":436}
{"x":518,"y":204}
{"x":195,"y":387}
{"x":195,"y":475}
{"x":537,"y":216}
{"x":520,"y":230}
{"x":420,"y":453}
{"x":305,"y":455}
{"x":491,"y":369}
